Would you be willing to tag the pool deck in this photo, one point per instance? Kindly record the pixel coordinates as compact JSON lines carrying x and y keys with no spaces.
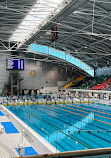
{"x":8,"y":142}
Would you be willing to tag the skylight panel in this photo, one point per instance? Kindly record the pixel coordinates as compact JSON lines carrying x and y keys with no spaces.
{"x":37,"y":17}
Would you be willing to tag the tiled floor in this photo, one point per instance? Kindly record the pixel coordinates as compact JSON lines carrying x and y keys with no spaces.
{"x":8,"y":142}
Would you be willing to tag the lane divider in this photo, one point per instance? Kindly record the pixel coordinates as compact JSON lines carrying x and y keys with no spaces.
{"x":91,"y":110}
{"x":80,"y":115}
{"x":76,"y":139}
{"x":49,"y":102}
{"x":85,"y":112}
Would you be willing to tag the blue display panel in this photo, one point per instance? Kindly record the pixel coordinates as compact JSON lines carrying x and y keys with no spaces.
{"x":15,"y":64}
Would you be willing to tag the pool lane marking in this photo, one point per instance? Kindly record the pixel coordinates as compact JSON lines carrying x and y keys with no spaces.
{"x":85,"y":112}
{"x":80,"y":141}
{"x":35,"y":114}
{"x":102,"y":138}
{"x":91,"y":110}
{"x":30,"y":123}
{"x":62,"y":132}
{"x":90,"y":133}
{"x":68,"y":116}
{"x":86,"y":132}
{"x":80,"y":115}
{"x":76,"y":119}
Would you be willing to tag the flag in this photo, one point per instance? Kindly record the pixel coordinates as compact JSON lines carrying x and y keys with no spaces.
{"x":54,"y":34}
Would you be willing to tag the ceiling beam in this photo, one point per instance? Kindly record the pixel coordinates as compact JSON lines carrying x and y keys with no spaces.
{"x":72,"y":6}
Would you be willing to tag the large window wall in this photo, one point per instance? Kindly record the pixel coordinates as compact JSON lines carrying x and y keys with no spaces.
{"x":62,"y":55}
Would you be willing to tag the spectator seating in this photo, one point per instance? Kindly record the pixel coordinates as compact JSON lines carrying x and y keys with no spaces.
{"x":104,"y":86}
{"x":89,"y":83}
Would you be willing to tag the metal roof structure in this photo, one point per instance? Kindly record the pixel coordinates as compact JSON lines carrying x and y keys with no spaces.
{"x":84,"y":27}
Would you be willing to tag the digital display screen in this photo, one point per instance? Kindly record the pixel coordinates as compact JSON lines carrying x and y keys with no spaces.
{"x":15,"y":64}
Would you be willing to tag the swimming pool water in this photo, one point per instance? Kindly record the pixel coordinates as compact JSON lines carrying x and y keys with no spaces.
{"x":69,"y":127}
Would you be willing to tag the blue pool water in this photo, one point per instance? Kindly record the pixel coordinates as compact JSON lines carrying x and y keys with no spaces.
{"x":62,"y":124}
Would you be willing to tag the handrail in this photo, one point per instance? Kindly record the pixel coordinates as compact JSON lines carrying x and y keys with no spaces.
{"x":72,"y":154}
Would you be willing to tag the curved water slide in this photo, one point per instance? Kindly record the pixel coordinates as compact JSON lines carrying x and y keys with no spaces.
{"x":74,"y":80}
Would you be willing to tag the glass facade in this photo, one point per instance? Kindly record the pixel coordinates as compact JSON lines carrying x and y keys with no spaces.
{"x":62,"y":55}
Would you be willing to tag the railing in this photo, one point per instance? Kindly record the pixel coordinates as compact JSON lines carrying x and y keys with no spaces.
{"x":91,"y":153}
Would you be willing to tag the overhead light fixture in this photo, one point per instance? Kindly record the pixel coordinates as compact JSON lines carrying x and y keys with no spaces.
{"x":37,"y":17}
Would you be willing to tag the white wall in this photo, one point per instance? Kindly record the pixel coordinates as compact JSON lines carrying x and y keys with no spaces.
{"x":49,"y":90}
{"x":61,"y":83}
{"x":47,"y":74}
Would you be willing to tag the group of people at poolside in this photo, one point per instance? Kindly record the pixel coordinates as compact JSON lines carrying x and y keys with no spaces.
{"x":42,"y":98}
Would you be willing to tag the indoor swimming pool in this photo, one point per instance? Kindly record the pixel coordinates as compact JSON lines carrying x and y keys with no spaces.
{"x":69,"y":126}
